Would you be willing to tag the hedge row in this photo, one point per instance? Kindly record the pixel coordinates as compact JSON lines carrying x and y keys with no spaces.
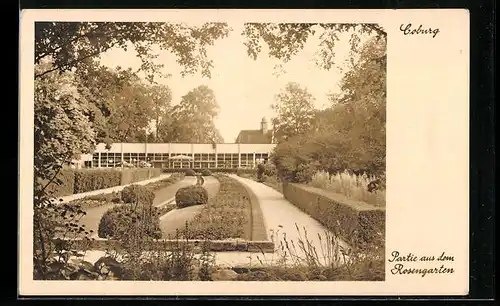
{"x":84,"y":180}
{"x":136,"y":175}
{"x":358,"y":223}
{"x":213,"y":170}
{"x":94,"y":179}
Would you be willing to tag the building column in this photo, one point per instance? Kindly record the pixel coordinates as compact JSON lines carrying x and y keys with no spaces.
{"x":253,"y":165}
{"x":216,"y":164}
{"x":99,"y":160}
{"x":239,"y":156}
{"x":192,"y":155}
{"x":170,"y":165}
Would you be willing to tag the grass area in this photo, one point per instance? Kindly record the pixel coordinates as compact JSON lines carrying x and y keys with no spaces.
{"x":227,"y":215}
{"x":353,"y":186}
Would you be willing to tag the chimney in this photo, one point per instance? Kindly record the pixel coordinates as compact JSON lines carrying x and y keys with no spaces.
{"x":263,"y":125}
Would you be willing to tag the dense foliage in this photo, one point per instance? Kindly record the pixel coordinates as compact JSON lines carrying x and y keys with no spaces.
{"x":191,"y":195}
{"x":350,"y":134}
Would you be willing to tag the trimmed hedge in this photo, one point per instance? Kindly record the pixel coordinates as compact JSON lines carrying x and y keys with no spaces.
{"x":94,"y":179}
{"x":130,"y":176}
{"x":123,"y":220}
{"x":191,"y":195}
{"x":62,"y":185}
{"x":357,"y":223}
{"x":84,"y":180}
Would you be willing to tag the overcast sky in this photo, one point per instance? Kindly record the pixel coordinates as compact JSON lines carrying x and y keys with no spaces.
{"x":244,"y":88}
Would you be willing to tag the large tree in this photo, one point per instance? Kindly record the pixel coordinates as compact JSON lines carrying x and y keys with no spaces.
{"x":62,"y":130}
{"x":294,"y":109}
{"x":192,"y":120}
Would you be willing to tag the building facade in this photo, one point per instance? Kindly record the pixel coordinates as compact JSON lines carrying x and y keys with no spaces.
{"x":179,"y":155}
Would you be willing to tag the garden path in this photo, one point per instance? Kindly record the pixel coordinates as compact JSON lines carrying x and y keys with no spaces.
{"x":176,"y":218}
{"x":284,"y":220}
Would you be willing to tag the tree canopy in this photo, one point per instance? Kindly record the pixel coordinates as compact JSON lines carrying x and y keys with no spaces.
{"x":77,"y":45}
{"x":294,"y":112}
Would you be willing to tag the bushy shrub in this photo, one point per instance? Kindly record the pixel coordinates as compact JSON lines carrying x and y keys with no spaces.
{"x":206,"y":172}
{"x":138,"y":194}
{"x":191,"y":195}
{"x":190,"y":172}
{"x":124,"y":220}
{"x":94,"y":179}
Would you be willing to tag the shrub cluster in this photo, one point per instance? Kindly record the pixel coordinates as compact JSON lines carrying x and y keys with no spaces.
{"x":265,"y":170}
{"x":190,"y":172}
{"x":191,"y":195}
{"x":206,"y":172}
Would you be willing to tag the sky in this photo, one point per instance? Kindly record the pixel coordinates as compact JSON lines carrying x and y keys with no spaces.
{"x":244,"y":88}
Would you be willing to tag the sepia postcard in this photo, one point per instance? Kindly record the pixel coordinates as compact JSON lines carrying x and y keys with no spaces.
{"x":244,"y":152}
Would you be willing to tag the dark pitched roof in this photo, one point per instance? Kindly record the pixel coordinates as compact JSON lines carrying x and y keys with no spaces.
{"x":254,"y":136}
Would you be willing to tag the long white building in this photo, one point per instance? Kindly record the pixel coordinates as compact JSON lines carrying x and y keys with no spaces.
{"x":179,"y":155}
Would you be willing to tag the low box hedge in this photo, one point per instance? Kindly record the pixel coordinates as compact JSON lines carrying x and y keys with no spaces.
{"x":357,"y":223}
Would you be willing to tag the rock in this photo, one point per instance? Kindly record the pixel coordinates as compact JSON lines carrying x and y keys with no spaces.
{"x":224,"y":275}
{"x":108,"y":268}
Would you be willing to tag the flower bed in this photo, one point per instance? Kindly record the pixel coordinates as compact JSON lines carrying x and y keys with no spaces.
{"x":227,"y":215}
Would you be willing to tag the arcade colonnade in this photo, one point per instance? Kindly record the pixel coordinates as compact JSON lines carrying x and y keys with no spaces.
{"x":178,"y":155}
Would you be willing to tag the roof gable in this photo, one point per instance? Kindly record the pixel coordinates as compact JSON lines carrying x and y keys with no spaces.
{"x":253,"y":136}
